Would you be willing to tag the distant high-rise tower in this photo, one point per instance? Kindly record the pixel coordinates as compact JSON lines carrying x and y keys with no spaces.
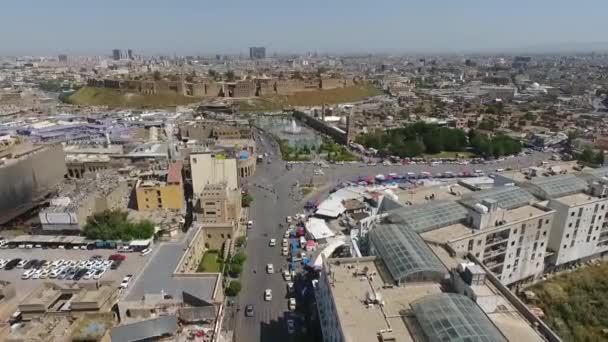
{"x":63,"y":58}
{"x":257,"y":52}
{"x":116,"y":54}
{"x":130,"y":54}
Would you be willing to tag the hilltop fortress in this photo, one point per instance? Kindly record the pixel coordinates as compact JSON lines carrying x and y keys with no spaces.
{"x":211,"y":88}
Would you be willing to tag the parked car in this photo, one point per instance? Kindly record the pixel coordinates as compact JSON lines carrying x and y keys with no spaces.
{"x":115,"y":257}
{"x":125,"y":281}
{"x":268,"y":295}
{"x":115,"y":264}
{"x":292,"y":304}
{"x":249,"y":310}
{"x":269,"y":268}
{"x":146,"y":251}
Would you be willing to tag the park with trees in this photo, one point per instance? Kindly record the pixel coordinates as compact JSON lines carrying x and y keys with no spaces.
{"x":421,"y":138}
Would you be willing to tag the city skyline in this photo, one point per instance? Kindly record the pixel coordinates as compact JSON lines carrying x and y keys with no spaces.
{"x":439,"y":26}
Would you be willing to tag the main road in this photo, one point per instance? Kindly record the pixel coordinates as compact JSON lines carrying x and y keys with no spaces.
{"x":273,"y":190}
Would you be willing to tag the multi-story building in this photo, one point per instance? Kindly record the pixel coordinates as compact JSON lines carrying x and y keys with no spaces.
{"x":506,"y":228}
{"x":116,"y":55}
{"x":357,"y":299}
{"x":28,"y":173}
{"x":257,"y":52}
{"x":208,"y":168}
{"x":161,"y":189}
{"x":581,"y":208}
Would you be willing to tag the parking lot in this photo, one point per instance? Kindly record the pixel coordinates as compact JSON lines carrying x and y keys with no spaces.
{"x":133,"y":263}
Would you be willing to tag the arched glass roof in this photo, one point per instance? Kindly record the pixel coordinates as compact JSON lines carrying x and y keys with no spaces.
{"x":405,"y":254}
{"x":560,"y":185}
{"x":451,"y":317}
{"x":429,"y":216}
{"x":508,"y":197}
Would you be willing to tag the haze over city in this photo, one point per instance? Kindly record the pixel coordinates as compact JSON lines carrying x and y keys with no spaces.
{"x":199,"y":27}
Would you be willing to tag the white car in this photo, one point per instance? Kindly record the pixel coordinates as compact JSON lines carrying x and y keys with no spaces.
{"x":286,"y":275}
{"x":44,"y":274}
{"x":89,"y":274}
{"x":287,"y":233}
{"x":146,"y":251}
{"x":36,"y":274}
{"x":292,"y":304}
{"x":285,"y":251}
{"x":249,"y":224}
{"x":269,"y":268}
{"x":27,"y":274}
{"x":268,"y":295}
{"x":273,"y":242}
{"x":125,"y":281}
{"x":22,"y":263}
{"x":55,"y":272}
{"x":99,"y":273}
{"x":285,"y":243}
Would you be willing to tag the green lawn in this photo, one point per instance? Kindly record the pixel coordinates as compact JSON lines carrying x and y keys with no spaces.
{"x":445,"y":154}
{"x":210,"y":262}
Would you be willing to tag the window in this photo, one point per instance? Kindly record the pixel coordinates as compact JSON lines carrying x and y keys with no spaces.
{"x":567,"y":236}
{"x":228,"y":235}
{"x":157,"y":192}
{"x":542,"y":244}
{"x":588,"y":238}
{"x":194,"y":160}
{"x":572,"y":213}
{"x":572,"y":243}
{"x":209,"y":236}
{"x":512,"y":243}
{"x":596,"y":207}
{"x":222,"y":235}
{"x":602,"y":207}
{"x":537,"y":235}
{"x":518,"y":252}
{"x":478,"y":242}
{"x":206,"y":245}
{"x":477,"y":255}
{"x":578,"y":222}
{"x":534,"y":246}
{"x":580,"y":212}
{"x":523,"y":228}
{"x":593,"y":219}
{"x":516,"y":263}
{"x":570,"y":225}
{"x":547,"y":221}
{"x":540,"y":223}
{"x":470,"y":245}
{"x":508,"y":266}
{"x":545,"y":233}
{"x":515,"y":231}
{"x":532,"y":256}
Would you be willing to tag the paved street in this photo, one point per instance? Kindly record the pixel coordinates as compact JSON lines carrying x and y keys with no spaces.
{"x":267,"y":212}
{"x":271,"y":187}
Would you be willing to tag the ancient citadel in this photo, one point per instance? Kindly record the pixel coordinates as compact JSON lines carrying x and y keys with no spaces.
{"x":210,"y":88}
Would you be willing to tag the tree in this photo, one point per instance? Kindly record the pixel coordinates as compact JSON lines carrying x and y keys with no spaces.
{"x":599,"y":157}
{"x":156,"y":75}
{"x":239,"y":258}
{"x":587,"y":155}
{"x":246,"y":200}
{"x":213,"y":74}
{"x":297,"y":76}
{"x":530,"y":116}
{"x":233,"y":288}
{"x":229,"y":75}
{"x":114,"y":225}
{"x":235,"y":270}
{"x":240,"y":241}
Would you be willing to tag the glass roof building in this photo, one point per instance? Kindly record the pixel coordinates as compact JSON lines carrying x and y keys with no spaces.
{"x":405,"y":254}
{"x":429,"y":216}
{"x":557,"y":186}
{"x":508,"y":197}
{"x":450,"y":317}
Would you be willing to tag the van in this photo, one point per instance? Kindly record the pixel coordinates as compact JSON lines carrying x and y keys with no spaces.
{"x":302,"y":242}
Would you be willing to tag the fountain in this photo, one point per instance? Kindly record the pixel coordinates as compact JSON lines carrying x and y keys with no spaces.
{"x":293,"y":129}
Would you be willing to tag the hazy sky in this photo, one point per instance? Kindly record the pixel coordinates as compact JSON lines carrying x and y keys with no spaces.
{"x":231,"y":26}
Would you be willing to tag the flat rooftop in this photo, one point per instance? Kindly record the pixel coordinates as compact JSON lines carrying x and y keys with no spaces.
{"x":421,"y":195}
{"x":577,"y":199}
{"x":500,"y":311}
{"x":459,"y":231}
{"x":360,"y":323}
